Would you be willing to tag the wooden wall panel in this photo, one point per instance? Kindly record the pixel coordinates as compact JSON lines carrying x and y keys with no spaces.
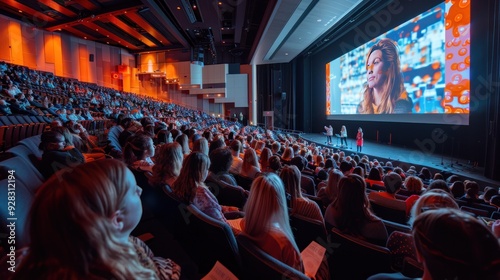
{"x":29,"y":48}
{"x":4,"y":33}
{"x":15,"y":41}
{"x":49,"y":49}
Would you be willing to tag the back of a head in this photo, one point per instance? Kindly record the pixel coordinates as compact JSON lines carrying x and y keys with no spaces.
{"x":216,"y":143}
{"x":392,"y":182}
{"x":351,"y":202}
{"x":266,"y":204}
{"x":374,"y":174}
{"x":457,"y":189}
{"x":414,"y":184}
{"x":345,"y":166}
{"x":168,"y":163}
{"x":290,"y":175}
{"x":193,"y":169}
{"x":432,"y":199}
{"x":439,"y":184}
{"x":236,"y":146}
{"x":221,"y":160}
{"x":455,"y":245}
{"x":488,"y":193}
{"x":299,"y":162}
{"x":495,"y":200}
{"x":275,"y":163}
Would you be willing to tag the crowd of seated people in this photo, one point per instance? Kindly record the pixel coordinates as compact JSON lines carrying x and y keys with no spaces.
{"x":181,"y":151}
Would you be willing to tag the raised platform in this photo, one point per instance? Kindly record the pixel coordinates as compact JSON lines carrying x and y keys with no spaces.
{"x":405,"y":157}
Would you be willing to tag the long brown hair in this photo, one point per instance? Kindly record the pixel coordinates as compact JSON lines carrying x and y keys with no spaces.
{"x":393,"y":86}
{"x":352,"y":204}
{"x":191,"y":176}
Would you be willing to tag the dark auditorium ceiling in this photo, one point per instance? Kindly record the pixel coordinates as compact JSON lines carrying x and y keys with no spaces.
{"x":228,"y":31}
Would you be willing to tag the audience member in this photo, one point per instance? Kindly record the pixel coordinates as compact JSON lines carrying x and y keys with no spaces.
{"x":457,"y":189}
{"x":168,"y":164}
{"x":351,"y":213}
{"x":453,"y":245}
{"x":56,"y":155}
{"x":400,"y":243}
{"x":267,"y":223}
{"x":250,"y":167}
{"x":329,"y":193}
{"x":190,"y":187}
{"x":80,"y":228}
{"x":290,"y":175}
{"x":138,"y":152}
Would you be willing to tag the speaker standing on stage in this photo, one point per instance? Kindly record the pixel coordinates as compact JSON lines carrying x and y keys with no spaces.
{"x":343,"y":136}
{"x":329,"y":134}
{"x":359,"y":140}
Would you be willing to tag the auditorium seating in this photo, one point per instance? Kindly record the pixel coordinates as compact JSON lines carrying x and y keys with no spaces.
{"x":353,"y":258}
{"x":305,"y":230}
{"x":214,"y":241}
{"x":227,"y":194}
{"x":257,"y":264}
{"x":243,"y":181}
{"x":475,"y":211}
{"x":388,"y":213}
{"x":391,"y":226}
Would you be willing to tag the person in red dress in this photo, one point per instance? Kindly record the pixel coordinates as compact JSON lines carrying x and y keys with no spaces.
{"x":359,"y":140}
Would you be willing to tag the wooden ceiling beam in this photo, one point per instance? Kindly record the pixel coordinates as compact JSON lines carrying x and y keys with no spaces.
{"x":96,"y":16}
{"x":150,"y":29}
{"x":132,"y":31}
{"x":59,"y":8}
{"x":111,"y":36}
{"x":37,"y":17}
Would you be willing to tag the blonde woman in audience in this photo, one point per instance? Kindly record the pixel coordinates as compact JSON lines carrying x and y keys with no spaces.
{"x":287,"y":155}
{"x":190,"y":188}
{"x":250,"y":167}
{"x":184,"y":141}
{"x":80,"y":224}
{"x":267,"y":223}
{"x":201,"y":145}
{"x":400,"y":243}
{"x":329,"y":193}
{"x":167,"y":166}
{"x":290,"y":175}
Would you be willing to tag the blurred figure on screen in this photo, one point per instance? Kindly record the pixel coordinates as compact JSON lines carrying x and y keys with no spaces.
{"x":384,"y":92}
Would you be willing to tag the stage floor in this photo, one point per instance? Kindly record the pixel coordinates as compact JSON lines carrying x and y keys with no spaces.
{"x":404,"y":157}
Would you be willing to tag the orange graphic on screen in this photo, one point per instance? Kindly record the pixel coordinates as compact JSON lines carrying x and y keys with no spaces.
{"x":457,"y":89}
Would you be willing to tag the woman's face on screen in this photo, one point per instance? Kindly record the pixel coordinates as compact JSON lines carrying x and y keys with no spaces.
{"x":374,"y":69}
